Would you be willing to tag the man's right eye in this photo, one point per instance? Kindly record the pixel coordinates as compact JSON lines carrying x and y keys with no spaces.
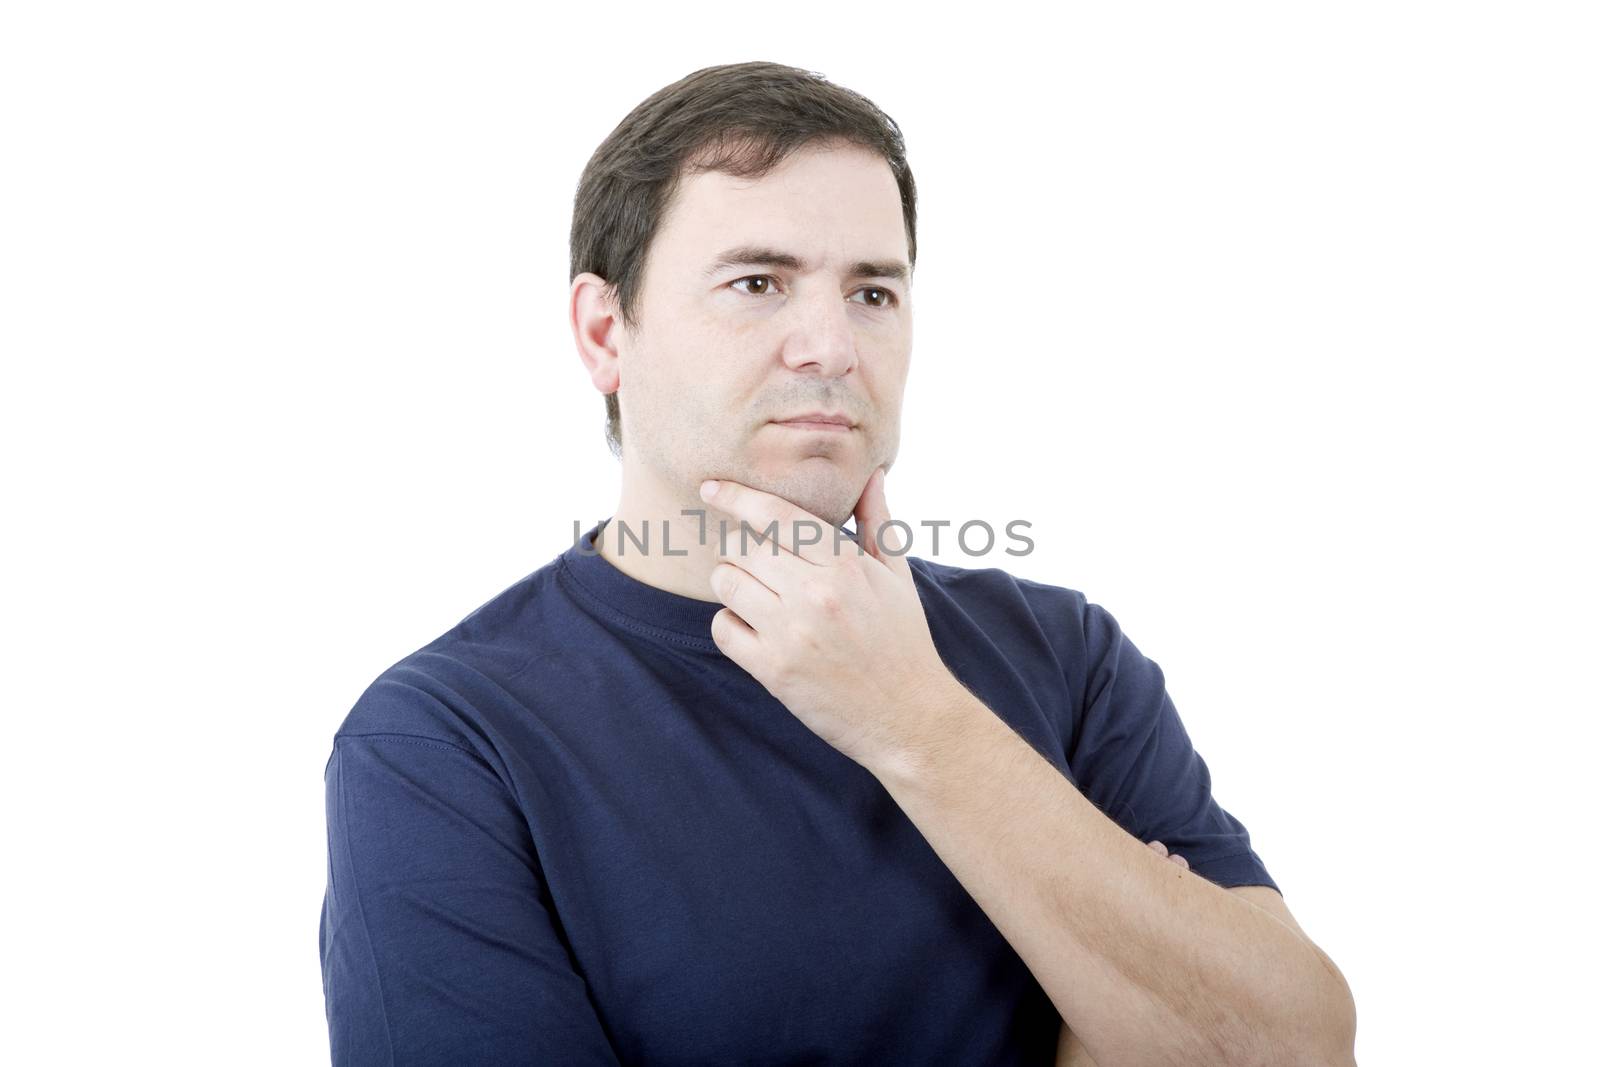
{"x":765,"y":279}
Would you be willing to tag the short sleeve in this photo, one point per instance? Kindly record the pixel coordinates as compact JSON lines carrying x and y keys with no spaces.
{"x":437,"y":938}
{"x":1133,"y":759}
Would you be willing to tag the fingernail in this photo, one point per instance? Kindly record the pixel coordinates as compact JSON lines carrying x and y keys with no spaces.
{"x":708,"y":489}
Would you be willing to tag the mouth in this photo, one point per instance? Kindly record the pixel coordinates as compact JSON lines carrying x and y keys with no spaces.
{"x":814,"y":427}
{"x":817,"y":422}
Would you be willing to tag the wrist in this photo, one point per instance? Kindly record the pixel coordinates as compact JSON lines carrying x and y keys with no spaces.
{"x":943,"y":715}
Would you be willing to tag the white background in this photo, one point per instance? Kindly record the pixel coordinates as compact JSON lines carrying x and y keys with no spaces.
{"x":1278,"y":322}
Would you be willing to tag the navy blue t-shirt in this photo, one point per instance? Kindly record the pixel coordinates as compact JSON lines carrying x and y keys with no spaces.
{"x":571,"y":831}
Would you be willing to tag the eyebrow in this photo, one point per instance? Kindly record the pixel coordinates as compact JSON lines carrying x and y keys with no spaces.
{"x":756,"y":256}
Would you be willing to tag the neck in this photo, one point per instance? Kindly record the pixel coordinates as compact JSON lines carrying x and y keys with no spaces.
{"x":672,"y":558}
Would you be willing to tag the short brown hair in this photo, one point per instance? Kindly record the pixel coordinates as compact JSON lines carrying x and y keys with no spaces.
{"x":741,"y":119}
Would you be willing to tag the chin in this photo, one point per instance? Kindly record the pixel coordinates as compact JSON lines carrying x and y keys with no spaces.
{"x":819,"y":487}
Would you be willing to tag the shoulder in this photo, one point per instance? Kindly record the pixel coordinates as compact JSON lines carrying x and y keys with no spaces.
{"x":439,"y":691}
{"x":1011,"y":610}
{"x":983,"y":591}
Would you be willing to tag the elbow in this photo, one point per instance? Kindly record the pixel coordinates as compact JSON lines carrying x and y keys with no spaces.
{"x":1323,"y":1033}
{"x":1336,"y":1044}
{"x":1342,"y":1013}
{"x":1342,"y":1046}
{"x":1333,"y":1043}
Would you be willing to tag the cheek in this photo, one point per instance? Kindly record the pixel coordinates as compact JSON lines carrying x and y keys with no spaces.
{"x":708,"y":343}
{"x":885,"y":378}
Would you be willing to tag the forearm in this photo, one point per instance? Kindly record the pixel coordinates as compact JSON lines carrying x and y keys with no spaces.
{"x":1150,"y":963}
{"x":1070,"y":1051}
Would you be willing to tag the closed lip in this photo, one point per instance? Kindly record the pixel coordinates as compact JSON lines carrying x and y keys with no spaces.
{"x":818,"y":416}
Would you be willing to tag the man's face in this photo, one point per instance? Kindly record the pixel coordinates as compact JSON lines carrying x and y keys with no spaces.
{"x":725,"y":351}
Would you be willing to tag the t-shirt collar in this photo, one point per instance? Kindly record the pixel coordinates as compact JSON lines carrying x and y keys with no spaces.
{"x":644,"y":605}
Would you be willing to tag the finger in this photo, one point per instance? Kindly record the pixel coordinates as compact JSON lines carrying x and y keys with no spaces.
{"x":737,"y":641}
{"x":769,"y":516}
{"x":746,"y":594}
{"x":1179,"y":860}
{"x":881,"y":538}
{"x":776,"y":568}
{"x":1159,"y":847}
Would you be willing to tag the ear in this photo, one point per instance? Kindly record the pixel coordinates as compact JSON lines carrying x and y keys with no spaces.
{"x":596,"y":324}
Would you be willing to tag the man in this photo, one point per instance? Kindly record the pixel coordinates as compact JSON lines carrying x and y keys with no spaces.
{"x":678,"y":798}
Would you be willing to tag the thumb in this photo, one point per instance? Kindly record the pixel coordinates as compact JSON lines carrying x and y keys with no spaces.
{"x":872,"y":512}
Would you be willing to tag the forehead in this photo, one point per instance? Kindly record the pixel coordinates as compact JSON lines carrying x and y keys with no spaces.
{"x":829,"y":204}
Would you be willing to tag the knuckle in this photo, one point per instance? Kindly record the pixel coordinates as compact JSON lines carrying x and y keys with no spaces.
{"x":827,"y":600}
{"x":806,"y":636}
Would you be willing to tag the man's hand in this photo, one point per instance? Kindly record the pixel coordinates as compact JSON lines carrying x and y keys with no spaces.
{"x":833,"y":629}
{"x":1174,"y":857}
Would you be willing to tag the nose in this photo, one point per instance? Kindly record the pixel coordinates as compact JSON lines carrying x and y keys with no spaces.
{"x":822,"y":341}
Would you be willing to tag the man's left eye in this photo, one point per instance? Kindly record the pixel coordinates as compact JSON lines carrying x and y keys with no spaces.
{"x":887,"y":299}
